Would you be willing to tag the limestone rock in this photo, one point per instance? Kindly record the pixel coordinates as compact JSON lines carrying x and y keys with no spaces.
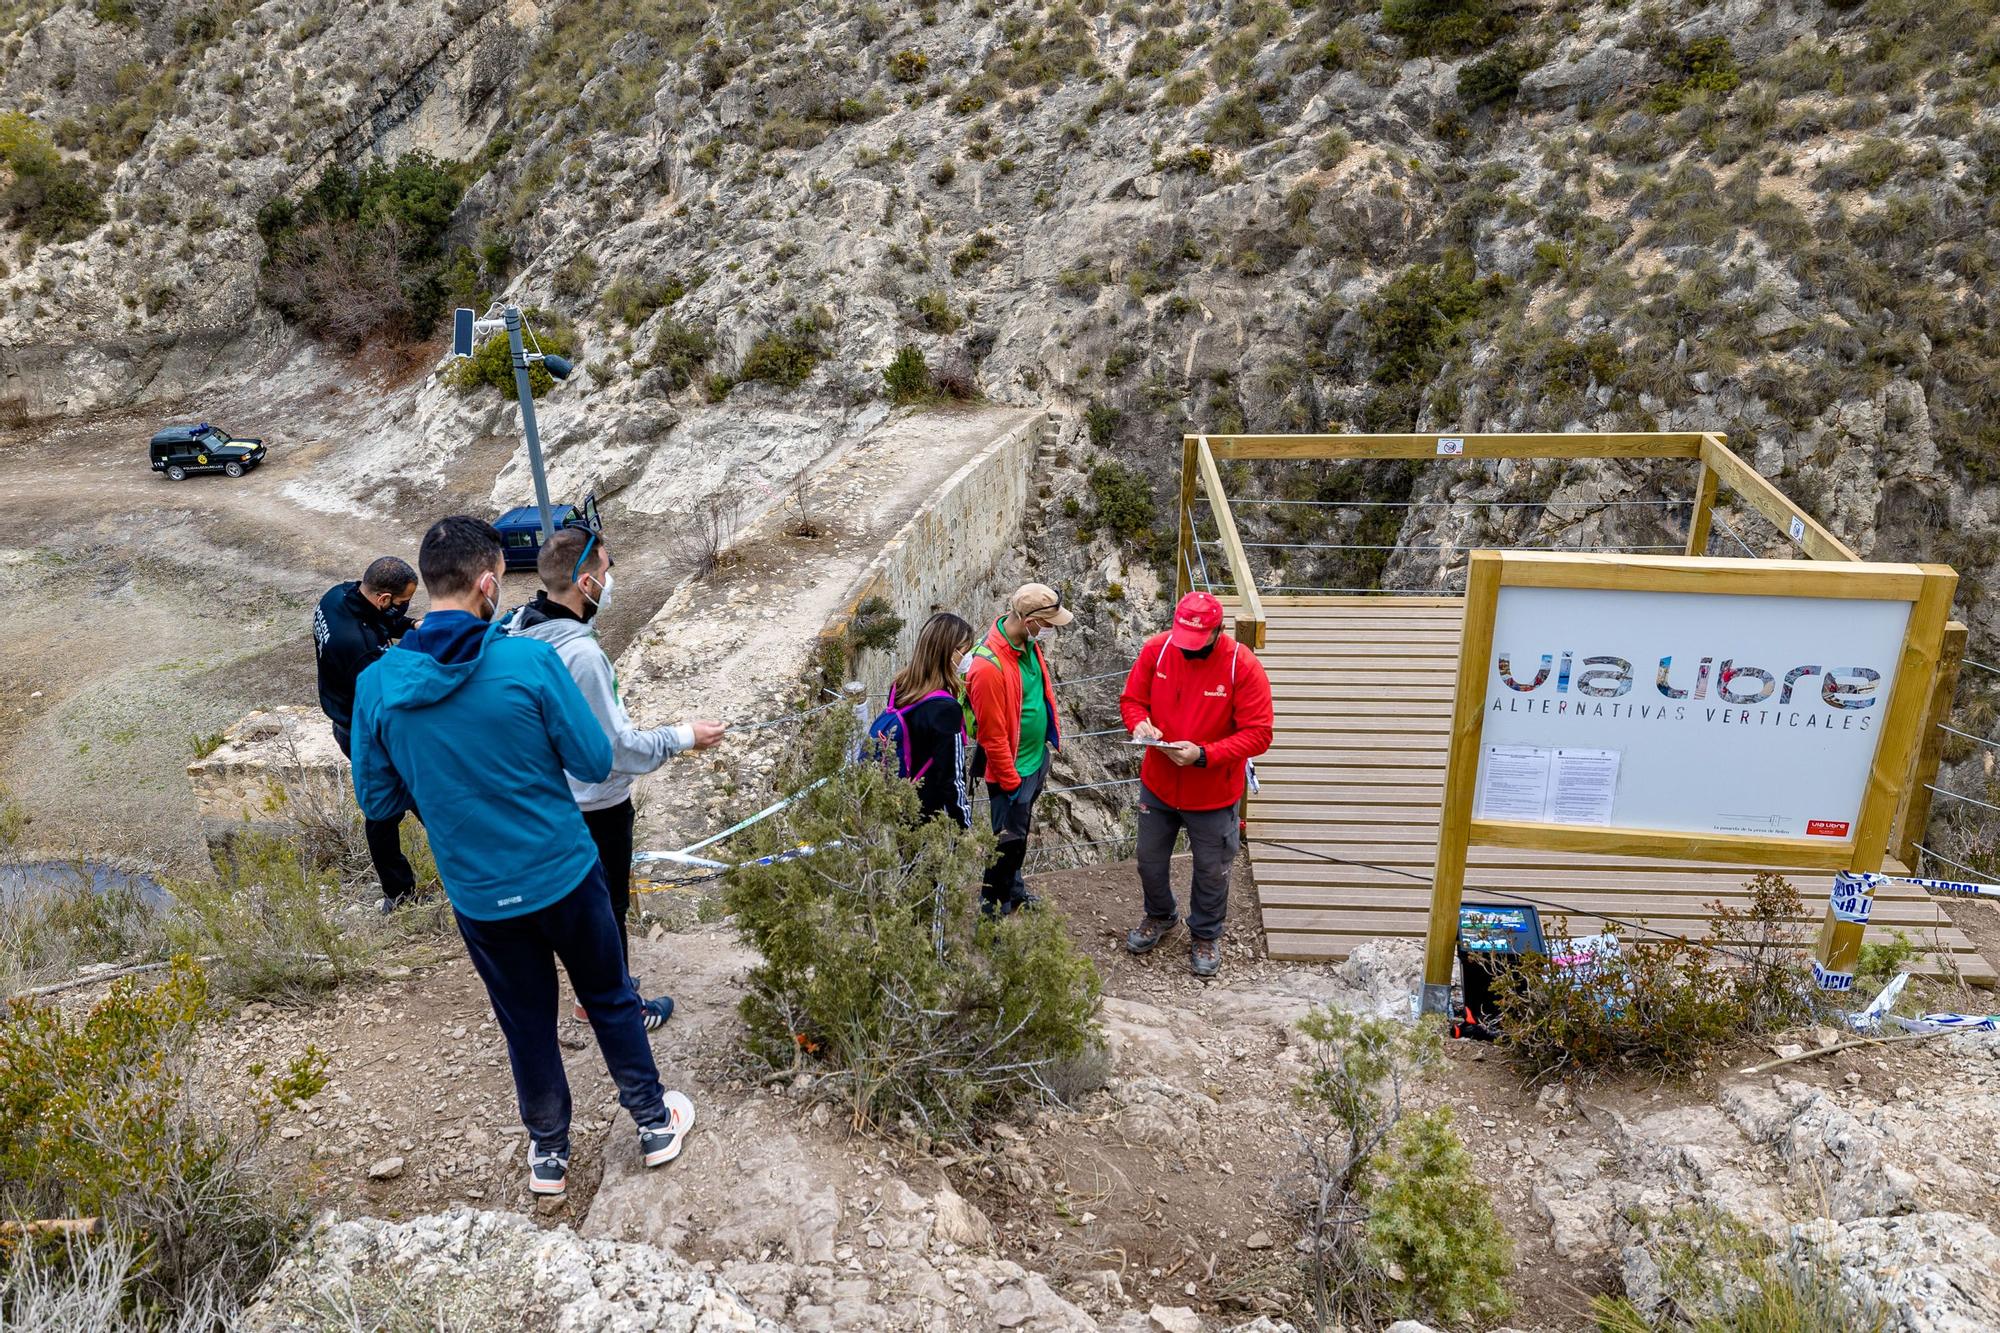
{"x":960,"y":1223}
{"x":1174,"y":1319}
{"x":1929,"y":1272}
{"x":464,"y":1267}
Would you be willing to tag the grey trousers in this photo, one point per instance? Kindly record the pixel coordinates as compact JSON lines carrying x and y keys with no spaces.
{"x":1213,"y":837}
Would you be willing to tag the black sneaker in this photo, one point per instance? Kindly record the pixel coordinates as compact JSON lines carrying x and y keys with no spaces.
{"x":661,"y":1143}
{"x":392,"y":902}
{"x":656,"y":1012}
{"x":548,"y":1172}
{"x":1027,"y":902}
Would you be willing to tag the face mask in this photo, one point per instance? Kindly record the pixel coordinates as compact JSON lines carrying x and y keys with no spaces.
{"x":603,"y":598}
{"x":492,"y":603}
{"x":965,"y":665}
{"x":399,"y":608}
{"x":1046,"y":634}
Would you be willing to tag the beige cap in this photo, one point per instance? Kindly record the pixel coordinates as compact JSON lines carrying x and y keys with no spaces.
{"x":1040,"y":601}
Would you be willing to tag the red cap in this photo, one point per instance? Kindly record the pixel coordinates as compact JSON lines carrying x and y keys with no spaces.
{"x":1197,"y":617}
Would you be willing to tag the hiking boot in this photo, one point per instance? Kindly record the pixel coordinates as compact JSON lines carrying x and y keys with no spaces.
{"x":1027,"y":902}
{"x":661,"y":1143}
{"x":391,"y":903}
{"x":548,"y":1172}
{"x":656,"y":1012}
{"x":1205,"y":959}
{"x":1149,"y":932}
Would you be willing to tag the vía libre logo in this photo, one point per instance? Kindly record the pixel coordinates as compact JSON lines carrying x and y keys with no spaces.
{"x":1744,"y":695}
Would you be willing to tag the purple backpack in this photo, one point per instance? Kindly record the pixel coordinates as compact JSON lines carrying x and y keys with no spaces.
{"x":891,"y":731}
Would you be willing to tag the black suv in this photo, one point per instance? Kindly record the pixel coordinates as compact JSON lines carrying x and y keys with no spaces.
{"x":179,"y":450}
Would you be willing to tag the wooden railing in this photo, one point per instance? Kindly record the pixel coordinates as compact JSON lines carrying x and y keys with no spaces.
{"x":1721,"y":469}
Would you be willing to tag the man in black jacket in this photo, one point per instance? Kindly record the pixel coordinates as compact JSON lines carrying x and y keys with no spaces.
{"x":353,"y":625}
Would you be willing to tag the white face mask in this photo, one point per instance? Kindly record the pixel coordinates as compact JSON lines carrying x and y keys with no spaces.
{"x":965,"y":665}
{"x":492,"y":602}
{"x":1046,"y":634}
{"x":603,"y":598}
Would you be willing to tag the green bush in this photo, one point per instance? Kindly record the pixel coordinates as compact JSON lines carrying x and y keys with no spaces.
{"x":1411,"y":323}
{"x":786,"y":359}
{"x":877,"y":976}
{"x":681,"y":350}
{"x":1494,"y":79}
{"x":908,"y":378}
{"x":979,"y":250}
{"x":1705,"y":65}
{"x":1239,"y":122}
{"x":1123,"y":503}
{"x":874,"y":624}
{"x":362,"y":254}
{"x":909,"y":66}
{"x":491,"y":365}
{"x":1662,"y":1007}
{"x":1442,"y":27}
{"x":98,"y":1118}
{"x":1101,"y":420}
{"x":267,"y":920}
{"x":1397,"y":1218}
{"x":46,"y":196}
{"x":48,"y":931}
{"x":934,"y":312}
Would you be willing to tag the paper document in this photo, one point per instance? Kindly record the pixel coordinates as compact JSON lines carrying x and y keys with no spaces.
{"x":1514,"y":783}
{"x":1582,"y":785}
{"x":1541,"y":785}
{"x":1136,"y":741}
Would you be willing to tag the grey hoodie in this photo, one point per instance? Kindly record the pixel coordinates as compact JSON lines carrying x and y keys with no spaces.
{"x":633,"y":751}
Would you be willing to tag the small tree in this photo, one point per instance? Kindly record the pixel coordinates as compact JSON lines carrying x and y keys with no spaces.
{"x":907,"y":377}
{"x":878,"y":975}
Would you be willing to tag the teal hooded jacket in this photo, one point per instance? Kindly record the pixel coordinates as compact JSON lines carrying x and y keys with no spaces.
{"x":475,"y":728}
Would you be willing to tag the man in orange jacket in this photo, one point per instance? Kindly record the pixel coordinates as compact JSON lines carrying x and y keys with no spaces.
{"x":1205,"y":702}
{"x":1012,"y":696}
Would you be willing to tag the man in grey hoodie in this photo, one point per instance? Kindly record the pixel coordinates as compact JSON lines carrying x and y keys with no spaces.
{"x":576,"y":575}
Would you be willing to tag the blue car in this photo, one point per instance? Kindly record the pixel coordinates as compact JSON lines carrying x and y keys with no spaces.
{"x":521,"y":532}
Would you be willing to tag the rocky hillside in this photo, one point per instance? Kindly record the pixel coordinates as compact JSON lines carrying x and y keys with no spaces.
{"x":1769,"y":219}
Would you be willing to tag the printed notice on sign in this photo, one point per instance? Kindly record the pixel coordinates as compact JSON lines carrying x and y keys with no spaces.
{"x":1544,"y":785}
{"x":1581,"y":785}
{"x":1514,"y":783}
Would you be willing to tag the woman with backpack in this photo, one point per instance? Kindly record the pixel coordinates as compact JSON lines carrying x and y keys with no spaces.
{"x":924,"y":722}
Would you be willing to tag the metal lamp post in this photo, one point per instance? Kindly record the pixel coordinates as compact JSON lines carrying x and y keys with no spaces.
{"x":465,"y":330}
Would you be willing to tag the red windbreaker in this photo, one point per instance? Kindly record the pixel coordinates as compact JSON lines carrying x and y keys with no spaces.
{"x":993,"y":693}
{"x":1221,"y":702}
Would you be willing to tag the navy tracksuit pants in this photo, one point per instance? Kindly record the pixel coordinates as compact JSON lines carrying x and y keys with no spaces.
{"x":516,"y":958}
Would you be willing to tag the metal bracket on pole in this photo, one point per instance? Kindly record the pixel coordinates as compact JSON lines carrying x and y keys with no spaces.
{"x":1431,"y":999}
{"x":512,"y":315}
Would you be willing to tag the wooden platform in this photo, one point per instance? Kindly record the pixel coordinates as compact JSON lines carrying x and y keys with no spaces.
{"x":1363,"y":785}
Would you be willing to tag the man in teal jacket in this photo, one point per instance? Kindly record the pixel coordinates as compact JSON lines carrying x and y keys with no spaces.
{"x":477,"y":727}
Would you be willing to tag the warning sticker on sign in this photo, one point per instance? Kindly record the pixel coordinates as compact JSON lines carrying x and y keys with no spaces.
{"x":1826,"y":828}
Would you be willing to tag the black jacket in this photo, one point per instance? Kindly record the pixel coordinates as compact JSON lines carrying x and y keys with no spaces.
{"x":935,"y":728}
{"x":348,"y":634}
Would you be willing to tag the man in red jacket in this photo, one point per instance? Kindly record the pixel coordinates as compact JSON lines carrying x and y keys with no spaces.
{"x":1205,"y":700}
{"x":1012,"y":698}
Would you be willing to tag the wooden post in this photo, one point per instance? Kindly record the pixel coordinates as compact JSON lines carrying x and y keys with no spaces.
{"x":1704,"y":512}
{"x":1250,"y":618}
{"x":1800,"y":528}
{"x":1915,"y":815}
{"x":1839,"y":946}
{"x":1184,"y":569}
{"x":1475,"y":652}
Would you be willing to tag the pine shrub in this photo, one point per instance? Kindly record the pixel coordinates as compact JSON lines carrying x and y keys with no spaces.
{"x":491,"y":365}
{"x":878,"y":977}
{"x":1431,"y":1224}
{"x":907,"y":377}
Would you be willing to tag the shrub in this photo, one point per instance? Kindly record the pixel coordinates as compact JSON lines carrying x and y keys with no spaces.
{"x":1492,"y":80}
{"x":909,"y":66}
{"x":786,"y":359}
{"x":1101,"y":420}
{"x":1660,"y":1006}
{"x":1442,"y":27}
{"x":877,"y":975}
{"x":1396,"y":1218}
{"x":681,"y":350}
{"x":874,"y":624}
{"x":1411,"y":322}
{"x":908,"y":378}
{"x":266,"y":918}
{"x":1705,"y":65}
{"x":1123,"y":503}
{"x":46,"y":196}
{"x":362,"y":254}
{"x":1238,"y":122}
{"x":934,"y":312}
{"x":98,"y":1118}
{"x":1431,"y":1225}
{"x":491,"y":365}
{"x":979,"y":250}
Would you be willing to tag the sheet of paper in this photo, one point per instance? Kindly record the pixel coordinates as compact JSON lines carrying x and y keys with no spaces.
{"x":1514,"y":782}
{"x":1136,"y":741}
{"x":1581,"y":786}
